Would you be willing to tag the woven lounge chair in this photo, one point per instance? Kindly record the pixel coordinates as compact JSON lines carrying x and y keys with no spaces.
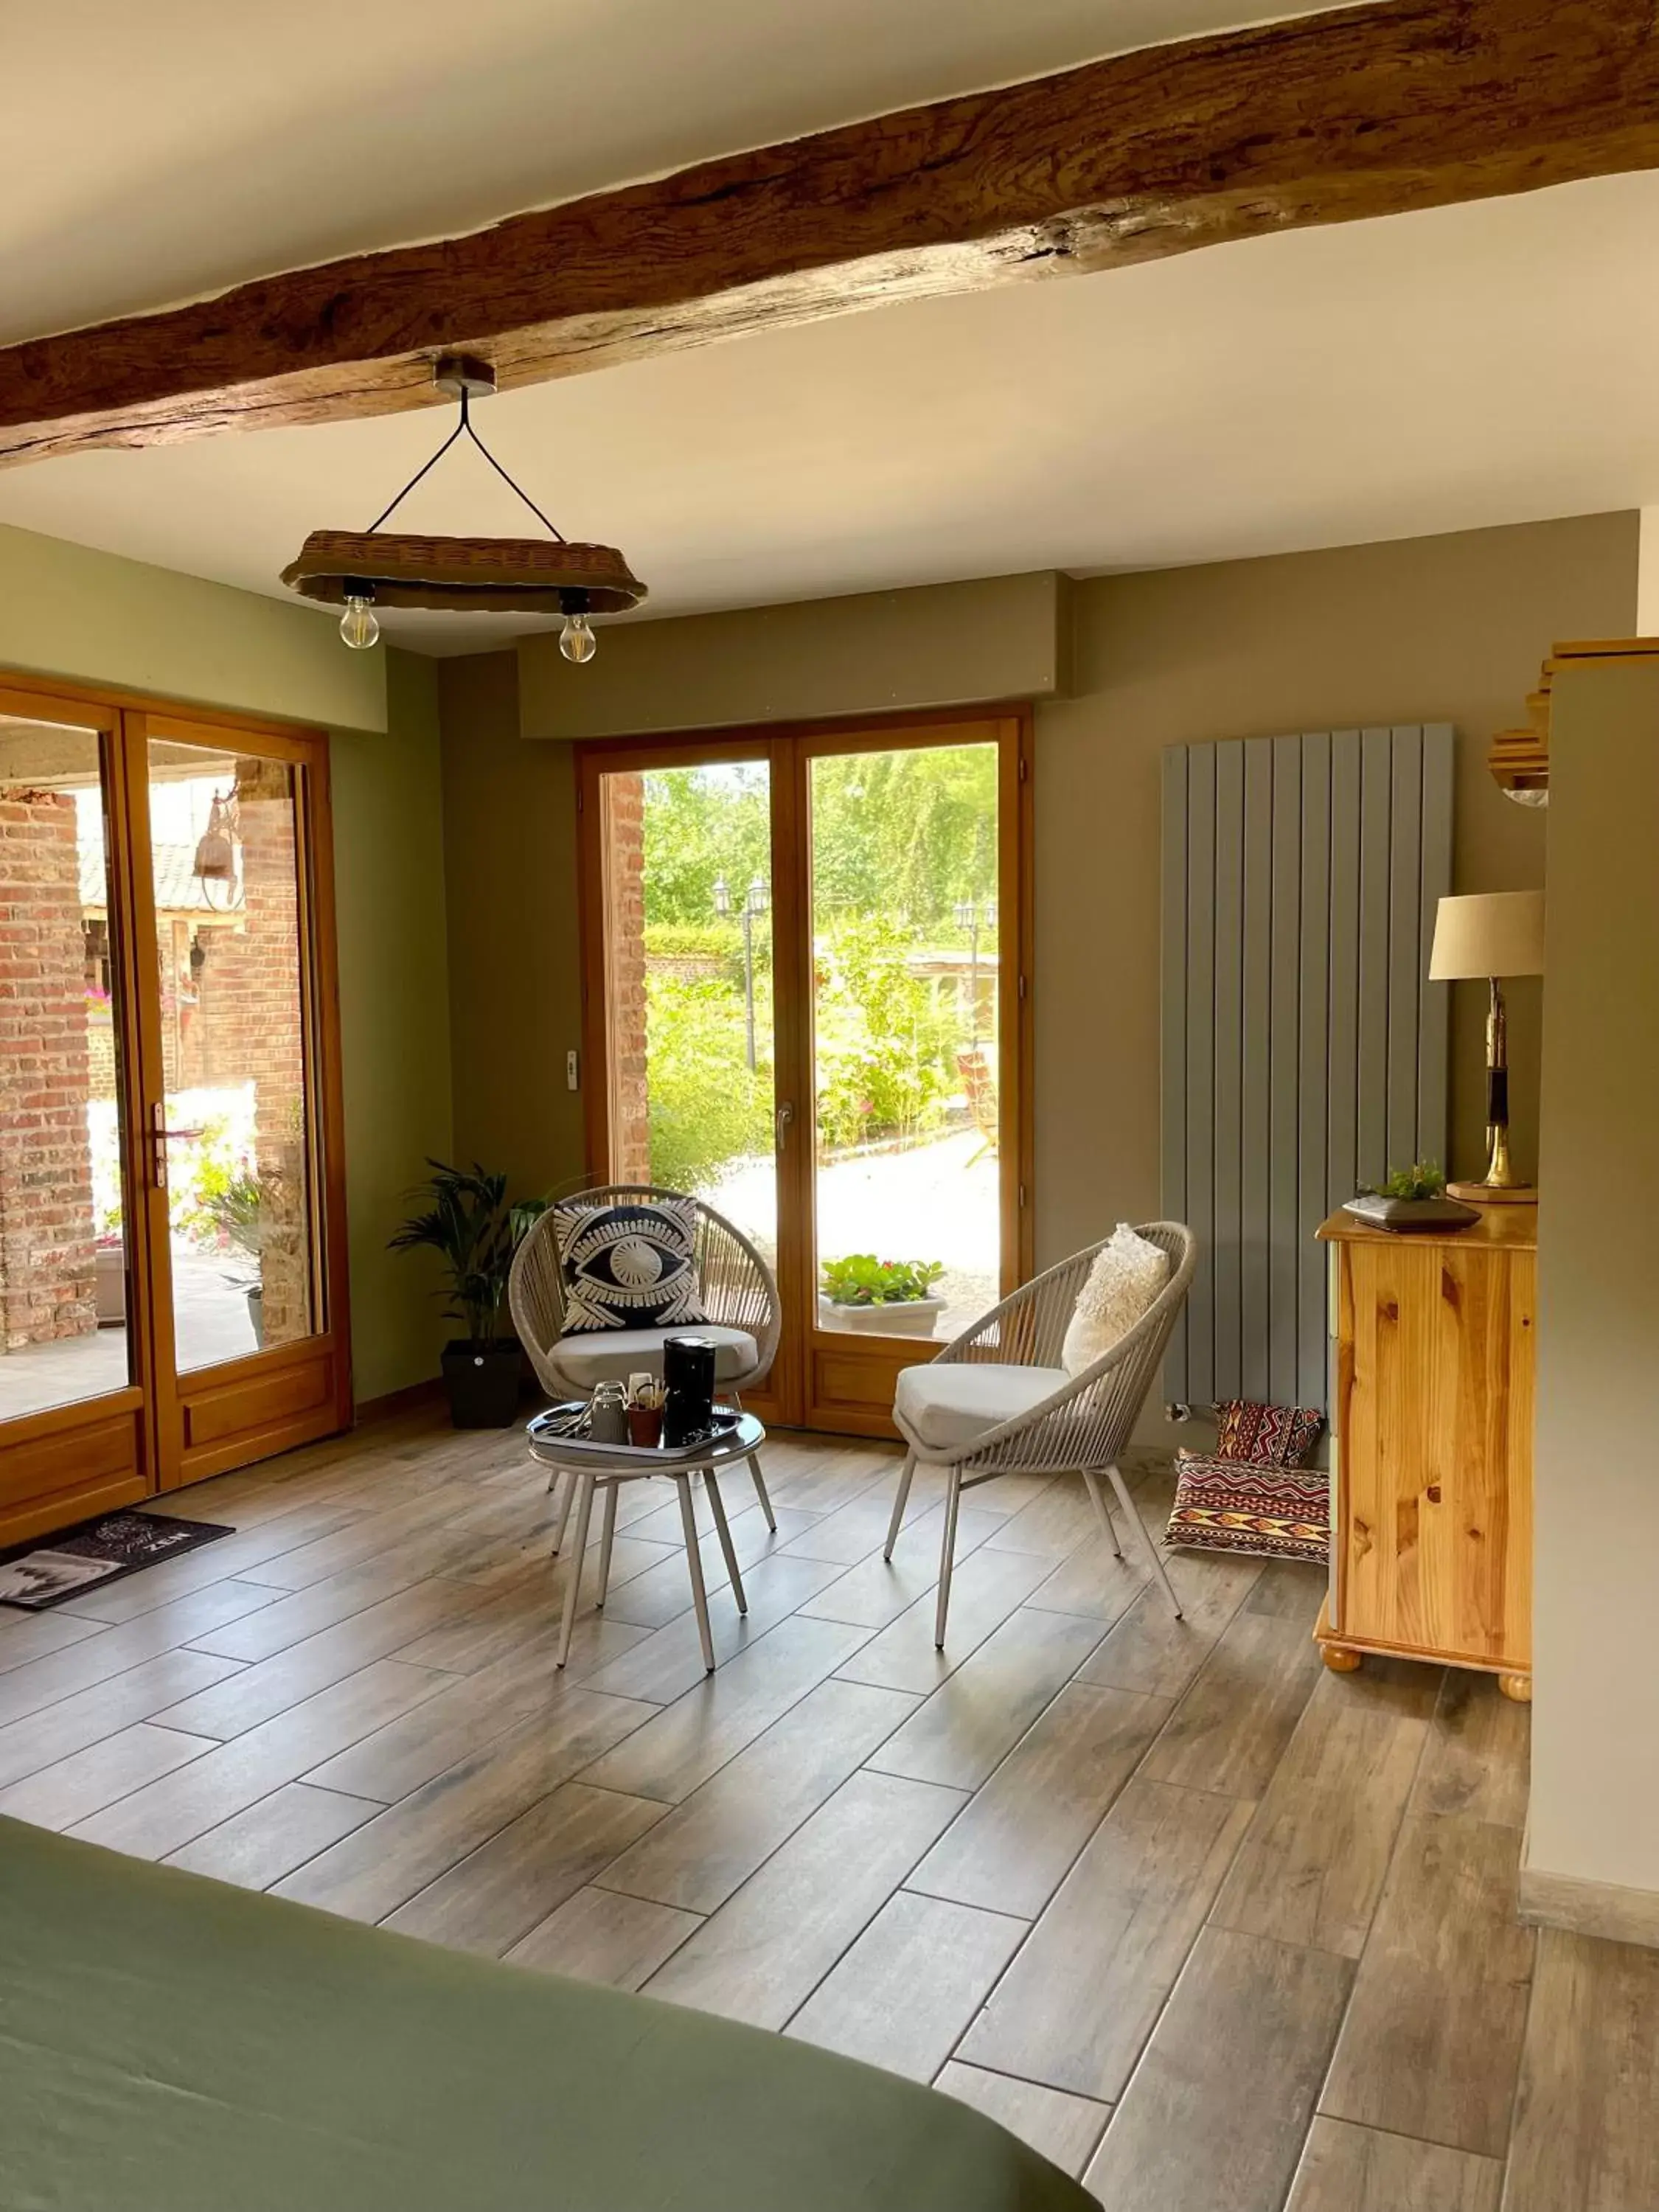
{"x":997,"y":1402}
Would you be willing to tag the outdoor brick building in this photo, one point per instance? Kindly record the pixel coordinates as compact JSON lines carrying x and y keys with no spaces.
{"x":249,"y":1019}
{"x":227,"y":966}
{"x":46,"y":1263}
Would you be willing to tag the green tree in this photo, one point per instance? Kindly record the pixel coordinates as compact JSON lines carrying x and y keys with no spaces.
{"x":884,"y":1043}
{"x":904,"y":834}
{"x":702,"y":824}
{"x":898,"y":840}
{"x":707,"y":1109}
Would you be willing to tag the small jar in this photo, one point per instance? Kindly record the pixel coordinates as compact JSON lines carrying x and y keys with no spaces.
{"x":607,"y":1414}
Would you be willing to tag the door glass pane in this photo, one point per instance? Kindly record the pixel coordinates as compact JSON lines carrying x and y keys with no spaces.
{"x":905,"y":945}
{"x":689,"y":985}
{"x":225,"y":864}
{"x":63,"y":1248}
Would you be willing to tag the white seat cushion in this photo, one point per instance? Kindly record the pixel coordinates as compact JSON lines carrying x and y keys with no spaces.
{"x":612,"y":1355}
{"x":948,"y":1408}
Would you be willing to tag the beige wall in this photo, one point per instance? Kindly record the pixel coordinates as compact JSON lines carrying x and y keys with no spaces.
{"x":515,"y":983}
{"x":1595,"y":1814}
{"x":1449,"y":628}
{"x":394,"y":1014}
{"x":937,"y":645}
{"x":90,"y":618}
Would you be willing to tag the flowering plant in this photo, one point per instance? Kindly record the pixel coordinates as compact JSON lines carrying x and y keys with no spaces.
{"x":860,"y":1279}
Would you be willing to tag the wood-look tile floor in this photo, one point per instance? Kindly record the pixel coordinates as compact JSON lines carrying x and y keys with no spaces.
{"x":1209,"y":1926}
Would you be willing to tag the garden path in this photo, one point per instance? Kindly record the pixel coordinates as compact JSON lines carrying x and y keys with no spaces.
{"x":210,"y":1319}
{"x":934,"y":1200}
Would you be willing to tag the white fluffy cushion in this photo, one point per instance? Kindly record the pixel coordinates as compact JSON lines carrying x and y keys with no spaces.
{"x":1126,"y":1277}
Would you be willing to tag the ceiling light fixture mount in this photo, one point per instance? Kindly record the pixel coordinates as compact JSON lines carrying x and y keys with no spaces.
{"x":362,"y":570}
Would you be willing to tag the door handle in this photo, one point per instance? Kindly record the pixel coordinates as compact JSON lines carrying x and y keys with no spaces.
{"x":780,"y":1121}
{"x":159,"y":1137}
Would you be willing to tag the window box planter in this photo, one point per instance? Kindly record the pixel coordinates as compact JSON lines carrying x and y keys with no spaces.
{"x":895,"y":1317}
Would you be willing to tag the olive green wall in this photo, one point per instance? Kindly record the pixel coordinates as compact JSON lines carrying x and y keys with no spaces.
{"x":934,"y":645}
{"x":515,"y":980}
{"x":394,"y":1013}
{"x":68,"y":610}
{"x":90,"y":618}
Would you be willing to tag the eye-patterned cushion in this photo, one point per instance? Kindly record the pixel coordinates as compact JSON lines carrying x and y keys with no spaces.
{"x":630,"y":1266}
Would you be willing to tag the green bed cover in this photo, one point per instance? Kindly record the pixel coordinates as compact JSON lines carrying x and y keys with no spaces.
{"x":168,"y":2043}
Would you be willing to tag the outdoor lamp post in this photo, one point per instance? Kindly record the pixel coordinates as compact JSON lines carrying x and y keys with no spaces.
{"x":755,"y":901}
{"x":974,"y":917}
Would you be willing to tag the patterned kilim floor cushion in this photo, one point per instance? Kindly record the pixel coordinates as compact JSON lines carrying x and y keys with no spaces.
{"x":1266,"y":1436}
{"x":1273,"y":1512}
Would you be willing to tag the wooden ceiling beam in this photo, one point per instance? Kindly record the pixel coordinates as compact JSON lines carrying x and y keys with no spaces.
{"x":1370,"y":111}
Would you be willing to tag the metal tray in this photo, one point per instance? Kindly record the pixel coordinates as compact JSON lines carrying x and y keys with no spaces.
{"x":549,"y":1430}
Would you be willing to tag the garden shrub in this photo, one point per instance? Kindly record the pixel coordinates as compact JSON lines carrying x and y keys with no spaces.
{"x":707,"y":1109}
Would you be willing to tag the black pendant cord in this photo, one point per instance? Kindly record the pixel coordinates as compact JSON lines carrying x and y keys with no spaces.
{"x":464,"y":428}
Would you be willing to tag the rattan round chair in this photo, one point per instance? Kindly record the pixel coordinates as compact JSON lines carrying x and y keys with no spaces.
{"x":997,"y":1400}
{"x":739,"y":1299}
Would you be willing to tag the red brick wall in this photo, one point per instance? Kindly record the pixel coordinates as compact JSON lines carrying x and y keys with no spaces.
{"x":247,"y":1024}
{"x":624,"y":845}
{"x":45,"y":1168}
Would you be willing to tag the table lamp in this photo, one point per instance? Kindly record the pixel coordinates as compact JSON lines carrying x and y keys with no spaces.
{"x":1490,"y":935}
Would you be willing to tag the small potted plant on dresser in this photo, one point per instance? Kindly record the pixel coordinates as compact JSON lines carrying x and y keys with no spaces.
{"x":467,"y":1221}
{"x":883,"y":1298}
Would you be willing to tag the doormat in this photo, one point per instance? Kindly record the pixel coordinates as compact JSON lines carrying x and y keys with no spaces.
{"x":97,"y":1552}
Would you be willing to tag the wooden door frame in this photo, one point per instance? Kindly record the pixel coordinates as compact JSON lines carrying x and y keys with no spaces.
{"x":113,"y":1443}
{"x":789,"y":749}
{"x":67,"y":1462}
{"x":780,"y":1400}
{"x":213,"y":1418}
{"x":850,"y":1378}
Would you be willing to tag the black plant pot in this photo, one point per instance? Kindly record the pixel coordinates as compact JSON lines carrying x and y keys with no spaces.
{"x":482,"y":1382}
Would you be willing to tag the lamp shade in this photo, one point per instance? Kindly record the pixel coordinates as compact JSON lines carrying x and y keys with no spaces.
{"x":1488,"y":933}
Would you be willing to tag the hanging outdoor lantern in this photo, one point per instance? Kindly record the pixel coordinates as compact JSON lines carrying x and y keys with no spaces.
{"x":215,"y":853}
{"x":360,"y":571}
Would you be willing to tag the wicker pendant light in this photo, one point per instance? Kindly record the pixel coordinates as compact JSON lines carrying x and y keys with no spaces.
{"x":362,"y":570}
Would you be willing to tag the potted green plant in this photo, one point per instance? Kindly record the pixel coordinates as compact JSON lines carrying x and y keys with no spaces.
{"x":468,"y":1222}
{"x":241,"y":1206}
{"x":885,"y":1297}
{"x":1412,"y":1198}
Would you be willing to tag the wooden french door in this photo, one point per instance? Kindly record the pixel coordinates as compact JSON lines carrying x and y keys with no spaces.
{"x":805,"y":962}
{"x":173,"y":1286}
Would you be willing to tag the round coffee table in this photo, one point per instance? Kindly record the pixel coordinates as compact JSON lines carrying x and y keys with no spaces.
{"x":597,"y":1466}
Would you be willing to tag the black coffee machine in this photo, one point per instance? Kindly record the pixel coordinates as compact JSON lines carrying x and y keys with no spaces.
{"x":688,"y":1390}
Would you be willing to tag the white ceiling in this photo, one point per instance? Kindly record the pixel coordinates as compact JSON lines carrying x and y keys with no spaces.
{"x":1490,"y":363}
{"x":157,"y":151}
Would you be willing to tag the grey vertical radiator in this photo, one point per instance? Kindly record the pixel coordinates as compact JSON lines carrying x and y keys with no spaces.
{"x":1304,"y":1051}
